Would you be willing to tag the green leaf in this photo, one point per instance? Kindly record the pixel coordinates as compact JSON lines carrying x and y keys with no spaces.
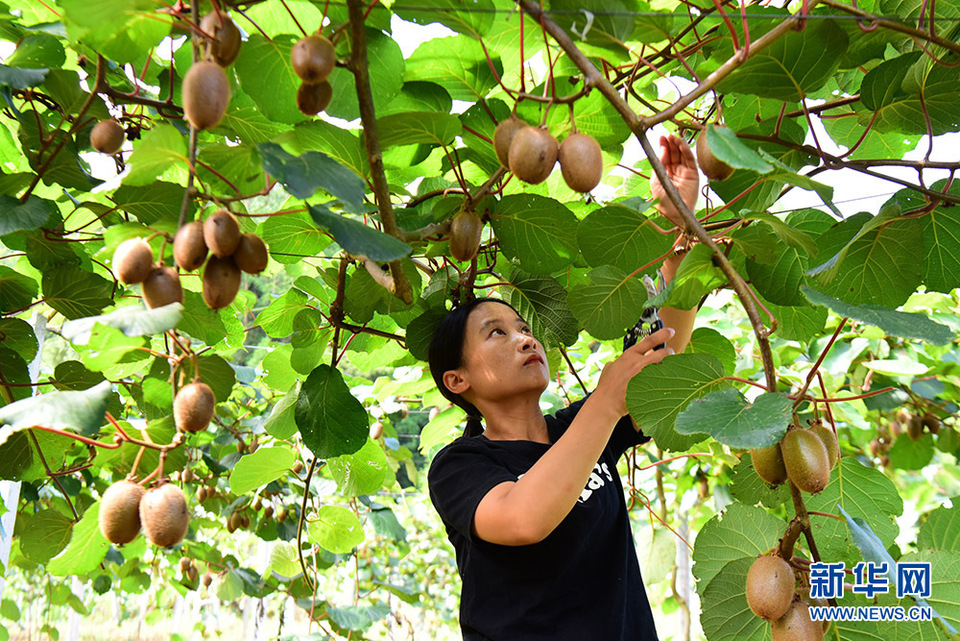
{"x":75,"y":292}
{"x":293,"y":237}
{"x":896,"y":367}
{"x":336,"y":529}
{"x":88,"y":547}
{"x":357,"y":238}
{"x":81,"y":412}
{"x":658,"y":394}
{"x":798,"y":323}
{"x":16,"y":457}
{"x":944,"y":590}
{"x":725,"y":145}
{"x":473,"y":19}
{"x":620,"y":236}
{"x":729,"y":417}
{"x":900,"y":94}
{"x":542,"y":302}
{"x":420,"y":332}
{"x":132,"y":320}
{"x":706,"y":340}
{"x":457,"y":64}
{"x":386,"y":68}
{"x":257,"y":469}
{"x":266,"y":75}
{"x":539,"y":232}
{"x":121,"y":30}
{"x":15,"y":215}
{"x":152,"y":203}
{"x":108,"y":347}
{"x":160,"y":149}
{"x":418,"y":127}
{"x":16,"y":290}
{"x":281,"y":423}
{"x":284,"y":561}
{"x":609,"y":303}
{"x":17,"y":336}
{"x":37,"y":51}
{"x":46,"y":533}
{"x":941,"y":236}
{"x":346,"y":147}
{"x":902,"y":324}
{"x":739,"y":532}
{"x":724,"y":612}
{"x":276,"y":319}
{"x":357,"y":617}
{"x":941,"y":529}
{"x":331,"y":421}
{"x":907,"y":454}
{"x":303,"y":175}
{"x":747,"y":487}
{"x":696,"y":277}
{"x":19,"y":79}
{"x":386,"y":524}
{"x":362,"y":472}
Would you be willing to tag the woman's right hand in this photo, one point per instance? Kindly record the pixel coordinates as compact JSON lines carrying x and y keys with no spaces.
{"x":612,"y":388}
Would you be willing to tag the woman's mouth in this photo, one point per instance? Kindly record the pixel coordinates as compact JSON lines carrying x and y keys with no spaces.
{"x":534,"y":358}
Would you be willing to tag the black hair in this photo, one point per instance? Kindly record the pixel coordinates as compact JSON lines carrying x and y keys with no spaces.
{"x":446,"y":353}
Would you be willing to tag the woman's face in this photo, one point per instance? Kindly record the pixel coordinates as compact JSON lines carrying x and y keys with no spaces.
{"x":501,"y":358}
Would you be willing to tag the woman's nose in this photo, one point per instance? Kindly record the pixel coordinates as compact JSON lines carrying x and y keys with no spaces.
{"x":527,"y":342}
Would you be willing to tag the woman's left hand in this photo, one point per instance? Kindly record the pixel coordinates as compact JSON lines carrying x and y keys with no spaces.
{"x":612,"y":387}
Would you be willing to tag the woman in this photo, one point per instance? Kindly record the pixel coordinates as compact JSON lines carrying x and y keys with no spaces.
{"x":533,"y":504}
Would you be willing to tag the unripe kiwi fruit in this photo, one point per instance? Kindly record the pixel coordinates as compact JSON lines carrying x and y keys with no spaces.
{"x":107,"y":137}
{"x":768,"y":463}
{"x":193,"y":407}
{"x":221,"y":233}
{"x":533,"y":153}
{"x":189,"y":248}
{"x":251,"y":254}
{"x":225,"y":46}
{"x":163,"y":513}
{"x":314,"y":98}
{"x":805,"y":457}
{"x":465,"y":234}
{"x":313,"y":58}
{"x":120,"y":512}
{"x":206,"y":94}
{"x":133,"y":261}
{"x":915,"y":428}
{"x":712,"y":168}
{"x":931,"y":422}
{"x":503,"y":137}
{"x":162,"y":287}
{"x":770,"y":584}
{"x":830,"y":442}
{"x":221,"y":282}
{"x":796,"y":625}
{"x":581,"y":162}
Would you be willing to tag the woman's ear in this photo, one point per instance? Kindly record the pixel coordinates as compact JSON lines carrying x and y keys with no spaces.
{"x":455,"y":382}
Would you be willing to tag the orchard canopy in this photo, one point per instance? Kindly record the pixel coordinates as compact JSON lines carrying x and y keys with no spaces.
{"x":326,"y":415}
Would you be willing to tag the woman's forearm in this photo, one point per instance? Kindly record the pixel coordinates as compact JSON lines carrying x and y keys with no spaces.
{"x":681,"y":320}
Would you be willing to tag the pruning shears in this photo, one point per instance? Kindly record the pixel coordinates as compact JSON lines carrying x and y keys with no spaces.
{"x":650,"y":318}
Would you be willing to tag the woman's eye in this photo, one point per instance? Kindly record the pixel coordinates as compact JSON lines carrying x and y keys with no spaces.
{"x":495,"y":330}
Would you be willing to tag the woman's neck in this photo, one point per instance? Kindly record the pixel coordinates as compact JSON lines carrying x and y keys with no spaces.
{"x":520,"y":420}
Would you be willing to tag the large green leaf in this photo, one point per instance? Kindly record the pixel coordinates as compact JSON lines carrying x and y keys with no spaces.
{"x":542,"y":302}
{"x":609,"y":303}
{"x":75,"y":292}
{"x":473,"y":19}
{"x":346,"y":147}
{"x":901,"y":93}
{"x":266,"y":75}
{"x":18,"y":336}
{"x":15,"y":215}
{"x":257,"y":469}
{"x":941,"y":529}
{"x":152,"y":203}
{"x":659,"y":393}
{"x":19,"y":79}
{"x":706,"y":340}
{"x":121,"y":30}
{"x":303,"y":175}
{"x":357,"y":238}
{"x":45,"y":534}
{"x":87,"y":549}
{"x":386,"y":69}
{"x":725,"y":145}
{"x":729,"y":417}
{"x":81,"y":412}
{"x":336,"y":529}
{"x":696,"y":277}
{"x":416,"y":127}
{"x":739,"y":532}
{"x":539,"y":232}
{"x":132,"y":320}
{"x":362,"y":472}
{"x":620,"y":236}
{"x":724,"y":612}
{"x":747,"y":487}
{"x":16,"y":290}
{"x":457,"y":64}
{"x":160,"y":149}
{"x":941,"y":236}
{"x":331,"y":421}
{"x":293,"y":237}
{"x":357,"y":617}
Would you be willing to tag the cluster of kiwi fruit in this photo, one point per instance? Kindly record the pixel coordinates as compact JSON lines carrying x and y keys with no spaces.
{"x":712,"y":167}
{"x":531,"y":153}
{"x":805,"y":456}
{"x":206,"y":89}
{"x":771,"y":595}
{"x":161,"y":511}
{"x":230,"y":253}
{"x":914,"y":424}
{"x":313,"y":58}
{"x":133,"y":264}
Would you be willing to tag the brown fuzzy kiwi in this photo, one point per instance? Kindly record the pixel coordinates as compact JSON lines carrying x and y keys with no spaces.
{"x":225,"y":46}
{"x":581,"y":162}
{"x":207,"y":579}
{"x":107,"y":137}
{"x":221,"y":233}
{"x":768,"y":463}
{"x":503,"y":137}
{"x":915,"y":428}
{"x":830,"y":442}
{"x":164,"y":515}
{"x":711,"y":167}
{"x":314,"y":98}
{"x":770,"y":584}
{"x":376,"y":430}
{"x":465,"y":234}
{"x":193,"y":407}
{"x":133,"y":261}
{"x":533,"y":153}
{"x":221,"y":282}
{"x":251,"y":254}
{"x":162,"y":287}
{"x":120,"y":512}
{"x":206,"y":94}
{"x":931,"y":422}
{"x":796,"y":625}
{"x":313,"y":58}
{"x":189,"y":248}
{"x":233,"y":522}
{"x":805,"y":457}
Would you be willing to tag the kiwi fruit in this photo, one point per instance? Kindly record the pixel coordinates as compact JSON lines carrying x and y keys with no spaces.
{"x":207,"y":579}
{"x":830,"y":442}
{"x":189,"y":248}
{"x":120,"y":512}
{"x":206,"y":94}
{"x":233,"y":522}
{"x":915,"y":428}
{"x":163,"y":513}
{"x":313,"y":58}
{"x":268,"y":512}
{"x":533,"y":153}
{"x":580,"y":162}
{"x":225,"y":46}
{"x":314,"y":98}
{"x":931,"y":422}
{"x":376,"y":430}
{"x":107,"y":136}
{"x":298,"y":467}
{"x":133,"y":261}
{"x":465,"y":234}
{"x":221,"y":282}
{"x":806,"y":459}
{"x":503,"y":137}
{"x":770,"y":584}
{"x":796,"y":625}
{"x":162,"y":287}
{"x":185,"y":563}
{"x":251,"y":254}
{"x":221,"y":233}
{"x":193,"y":407}
{"x":711,"y":167}
{"x":768,"y":463}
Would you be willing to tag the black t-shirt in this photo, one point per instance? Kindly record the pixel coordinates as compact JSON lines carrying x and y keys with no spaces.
{"x":582,"y":582}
